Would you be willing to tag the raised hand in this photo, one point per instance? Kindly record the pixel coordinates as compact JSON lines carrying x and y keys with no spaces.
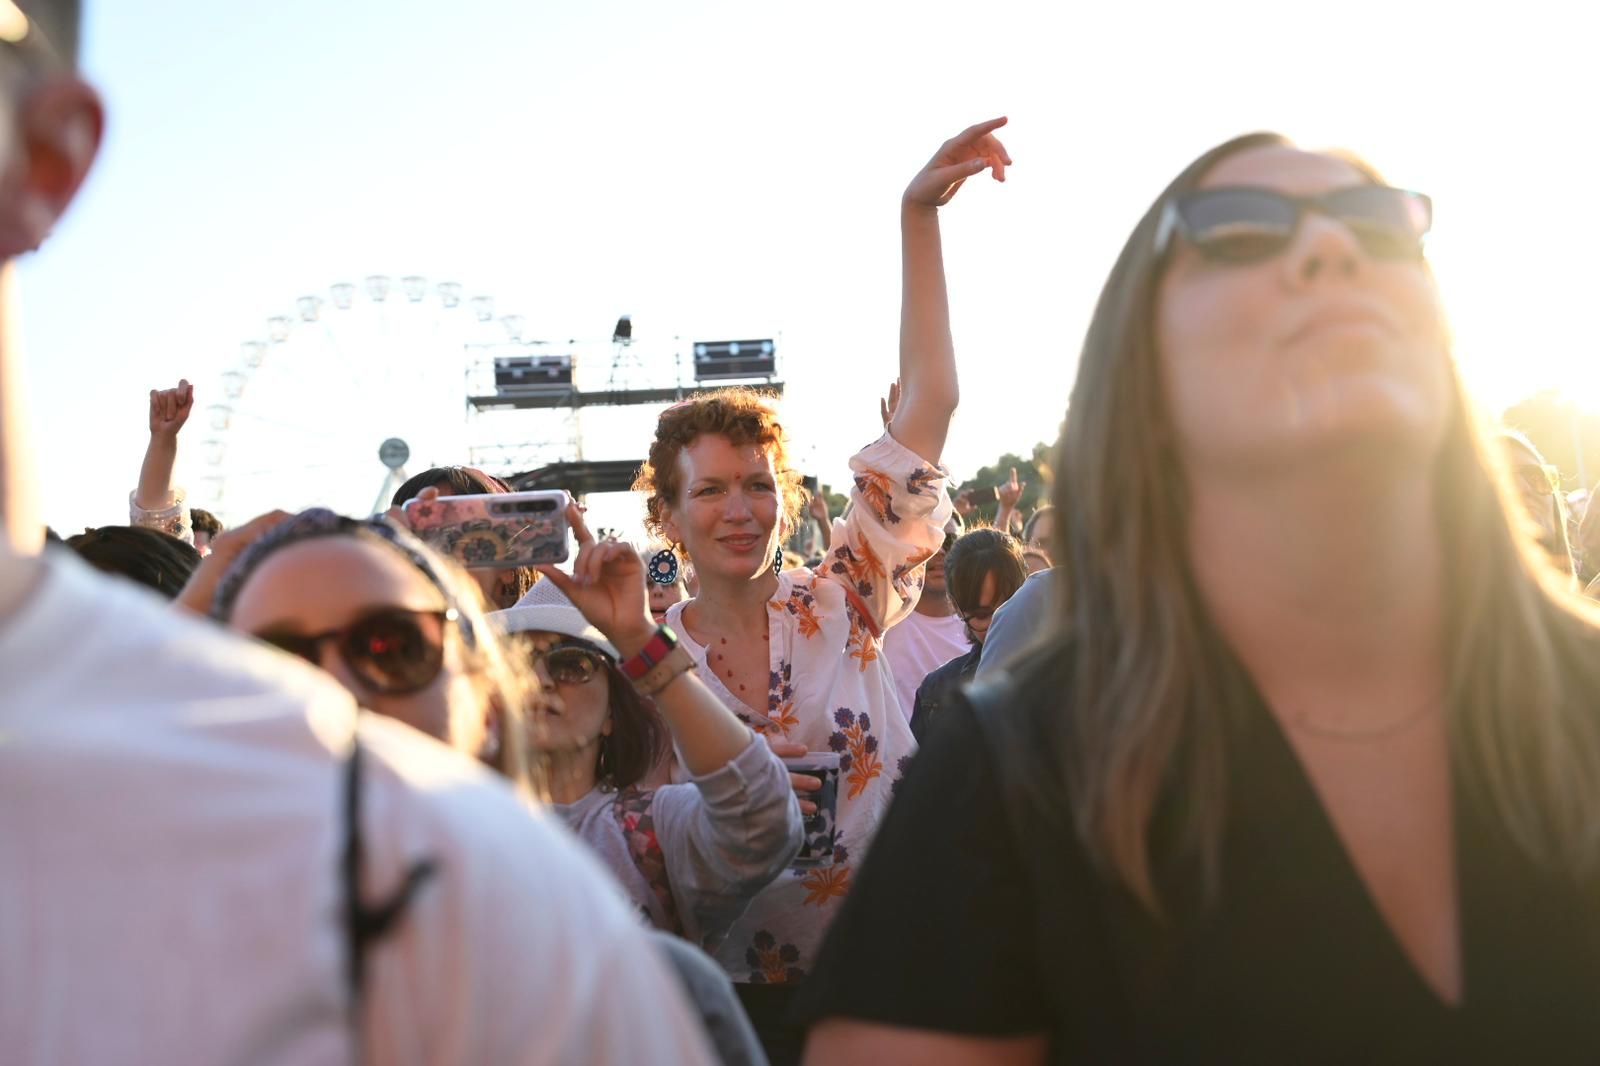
{"x":169,"y":409}
{"x":888,"y":406}
{"x":607,"y":585}
{"x":1010,"y":492}
{"x":967,"y":154}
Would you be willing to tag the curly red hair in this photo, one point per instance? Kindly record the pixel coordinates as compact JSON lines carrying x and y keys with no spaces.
{"x":743,"y":416}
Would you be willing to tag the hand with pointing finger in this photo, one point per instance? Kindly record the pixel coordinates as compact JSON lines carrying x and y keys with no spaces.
{"x":967,"y":154}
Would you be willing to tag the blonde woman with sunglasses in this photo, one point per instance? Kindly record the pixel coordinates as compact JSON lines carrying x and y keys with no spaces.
{"x":1308,"y":769}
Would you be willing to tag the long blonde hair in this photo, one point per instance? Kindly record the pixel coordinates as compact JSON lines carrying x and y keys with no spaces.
{"x":1154,"y":691}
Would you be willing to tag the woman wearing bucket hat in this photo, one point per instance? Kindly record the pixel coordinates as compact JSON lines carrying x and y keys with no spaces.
{"x":691,"y":855}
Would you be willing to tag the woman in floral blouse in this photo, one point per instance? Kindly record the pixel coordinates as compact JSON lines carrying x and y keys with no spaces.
{"x":797,"y":654}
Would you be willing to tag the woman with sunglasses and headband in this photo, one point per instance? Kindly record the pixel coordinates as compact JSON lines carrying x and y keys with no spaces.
{"x":1308,"y":771}
{"x":398,"y":625}
{"x":690,"y":855}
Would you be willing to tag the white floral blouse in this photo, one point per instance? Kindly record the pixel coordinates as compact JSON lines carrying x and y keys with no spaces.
{"x":831,"y":690}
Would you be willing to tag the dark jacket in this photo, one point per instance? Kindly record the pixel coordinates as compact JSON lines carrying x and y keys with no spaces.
{"x":938,"y":687}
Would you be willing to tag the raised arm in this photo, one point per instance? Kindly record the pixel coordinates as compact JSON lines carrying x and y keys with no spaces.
{"x":928,"y":387}
{"x":156,"y":502}
{"x":1008,"y":493}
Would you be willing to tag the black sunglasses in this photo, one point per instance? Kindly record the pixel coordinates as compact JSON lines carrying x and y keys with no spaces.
{"x":570,"y":664}
{"x":1246,"y":224}
{"x":391,"y":651}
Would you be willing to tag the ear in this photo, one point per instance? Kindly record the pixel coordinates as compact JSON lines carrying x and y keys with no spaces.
{"x":605,"y":727}
{"x":58,"y":128}
{"x":669,"y":526}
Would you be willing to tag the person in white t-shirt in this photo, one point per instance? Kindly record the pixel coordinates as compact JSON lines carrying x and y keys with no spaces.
{"x":931,"y":635}
{"x":202,"y":837}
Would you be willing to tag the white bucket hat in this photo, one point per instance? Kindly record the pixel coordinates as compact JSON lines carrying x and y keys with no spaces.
{"x":545,"y":608}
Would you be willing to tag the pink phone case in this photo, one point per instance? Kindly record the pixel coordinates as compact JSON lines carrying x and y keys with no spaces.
{"x":494,"y":532}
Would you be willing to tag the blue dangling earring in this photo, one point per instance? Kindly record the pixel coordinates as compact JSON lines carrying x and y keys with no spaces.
{"x":777,"y":561}
{"x":664,"y":567}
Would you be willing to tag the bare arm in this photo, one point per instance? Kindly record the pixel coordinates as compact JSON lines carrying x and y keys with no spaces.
{"x":169,"y":410}
{"x":819,"y":511}
{"x":928,"y":386}
{"x":845,"y":1042}
{"x":1008,"y":493}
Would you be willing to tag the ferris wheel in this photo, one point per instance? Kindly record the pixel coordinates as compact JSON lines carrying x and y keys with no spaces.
{"x":332,"y":404}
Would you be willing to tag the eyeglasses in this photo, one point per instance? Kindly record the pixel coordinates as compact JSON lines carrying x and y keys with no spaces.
{"x":391,"y":651}
{"x":1540,"y":478}
{"x":568,"y":664}
{"x":982,"y":614}
{"x":1245,"y":224}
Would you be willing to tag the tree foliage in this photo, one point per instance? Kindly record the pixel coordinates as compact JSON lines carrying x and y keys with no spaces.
{"x":1033,"y":471}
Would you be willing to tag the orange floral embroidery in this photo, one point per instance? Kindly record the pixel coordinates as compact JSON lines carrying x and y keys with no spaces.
{"x":803,"y":605}
{"x":864,"y":567}
{"x":858,"y":749}
{"x":861,"y":645}
{"x":877,"y":492}
{"x":780,"y":701}
{"x":770,"y":962}
{"x":826,"y":883}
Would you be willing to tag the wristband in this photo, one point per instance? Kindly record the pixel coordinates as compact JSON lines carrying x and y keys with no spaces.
{"x":661,"y":644}
{"x":677,"y":663}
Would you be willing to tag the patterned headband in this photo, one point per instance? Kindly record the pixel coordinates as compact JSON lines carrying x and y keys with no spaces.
{"x":321,"y":522}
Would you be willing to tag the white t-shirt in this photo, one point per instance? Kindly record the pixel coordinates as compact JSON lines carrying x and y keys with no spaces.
{"x":918,"y":646}
{"x":170,"y":825}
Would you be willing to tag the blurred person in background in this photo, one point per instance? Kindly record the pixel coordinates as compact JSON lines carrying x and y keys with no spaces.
{"x":206,"y":526}
{"x":661,"y":594}
{"x":148,"y":556}
{"x":932,"y":634}
{"x":1308,"y":769}
{"x":983,"y":569}
{"x":223,"y":862}
{"x":798,"y":654}
{"x":501,"y":588}
{"x":1539,"y":487}
{"x":1039,"y":533}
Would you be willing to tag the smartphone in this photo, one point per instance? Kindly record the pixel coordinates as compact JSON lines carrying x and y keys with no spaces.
{"x":983,"y":494}
{"x":494,"y":531}
{"x":821,"y":832}
{"x":810,"y":484}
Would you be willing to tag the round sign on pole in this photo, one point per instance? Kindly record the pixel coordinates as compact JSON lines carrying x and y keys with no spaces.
{"x":394,"y":453}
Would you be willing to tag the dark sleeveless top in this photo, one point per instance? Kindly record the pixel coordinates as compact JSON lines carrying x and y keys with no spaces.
{"x":1291,"y":962}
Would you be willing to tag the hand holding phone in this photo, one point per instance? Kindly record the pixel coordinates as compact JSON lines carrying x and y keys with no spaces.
{"x":494,"y":531}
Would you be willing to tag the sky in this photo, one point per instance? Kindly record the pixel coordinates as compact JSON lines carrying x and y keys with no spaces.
{"x":724,"y":171}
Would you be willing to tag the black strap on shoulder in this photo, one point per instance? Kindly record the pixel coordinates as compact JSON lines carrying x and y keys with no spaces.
{"x":365,"y":925}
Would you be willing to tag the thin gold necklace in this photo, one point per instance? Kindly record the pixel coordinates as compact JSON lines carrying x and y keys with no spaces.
{"x":1370,"y":734}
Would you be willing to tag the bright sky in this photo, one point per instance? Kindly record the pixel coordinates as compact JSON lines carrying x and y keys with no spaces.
{"x":729,"y":170}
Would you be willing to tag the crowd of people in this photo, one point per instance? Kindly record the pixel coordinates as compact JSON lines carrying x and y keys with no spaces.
{"x":1274,"y":736}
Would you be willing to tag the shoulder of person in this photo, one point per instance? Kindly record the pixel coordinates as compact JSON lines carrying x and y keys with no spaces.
{"x":1022,"y":711}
